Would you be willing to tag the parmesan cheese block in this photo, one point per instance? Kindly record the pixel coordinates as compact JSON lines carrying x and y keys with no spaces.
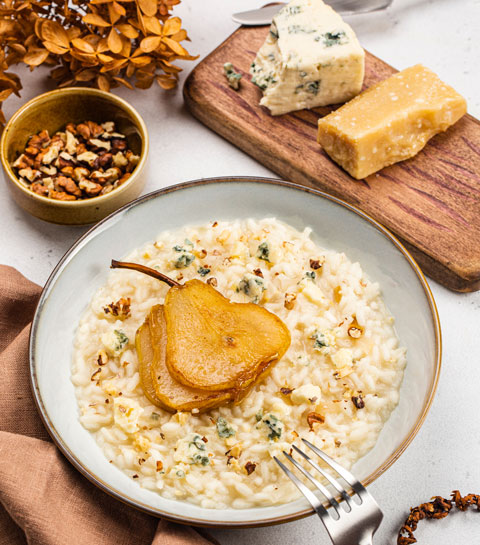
{"x":390,"y":122}
{"x":310,"y":58}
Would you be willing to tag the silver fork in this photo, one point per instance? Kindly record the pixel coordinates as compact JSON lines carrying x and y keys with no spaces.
{"x":354,"y":526}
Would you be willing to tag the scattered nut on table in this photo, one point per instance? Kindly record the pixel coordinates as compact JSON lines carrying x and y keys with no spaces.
{"x":82,"y":161}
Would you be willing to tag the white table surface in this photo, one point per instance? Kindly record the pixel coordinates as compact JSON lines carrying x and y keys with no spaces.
{"x":445,"y":455}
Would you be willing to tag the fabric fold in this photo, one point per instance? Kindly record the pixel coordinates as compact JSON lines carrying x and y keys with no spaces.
{"x":44,"y":500}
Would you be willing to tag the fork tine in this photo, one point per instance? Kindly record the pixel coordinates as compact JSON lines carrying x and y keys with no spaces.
{"x":339,"y":488}
{"x":356,"y":525}
{"x":324,"y":490}
{"x":345,"y":474}
{"x":312,"y":499}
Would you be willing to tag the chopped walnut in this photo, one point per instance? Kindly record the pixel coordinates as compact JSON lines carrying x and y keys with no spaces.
{"x":87,"y":157}
{"x":69,"y":186}
{"x":119,"y":160}
{"x":50,"y":155}
{"x":112,"y":174}
{"x":91,"y":188}
{"x":316,"y":263}
{"x":108,"y":126}
{"x":124,"y":178}
{"x":49,"y":171}
{"x":40,"y":189}
{"x":104,"y":161}
{"x":32,"y":150}
{"x":102,"y":358}
{"x":98,"y":177}
{"x":29,"y":173}
{"x":97,"y":143}
{"x":40,"y":140}
{"x":118,"y":144}
{"x":94,"y":377}
{"x":81,"y":148}
{"x":71,"y":144}
{"x":120,"y":309}
{"x":23,"y":162}
{"x":61,"y":196}
{"x":63,"y":162}
{"x":80,"y":173}
{"x":83,"y":131}
{"x":83,"y":161}
{"x":250,"y":467}
{"x":132,"y":160}
{"x":314,"y":418}
{"x":289,"y":302}
{"x":358,"y":401}
{"x":235,"y":451}
{"x":95,"y":129}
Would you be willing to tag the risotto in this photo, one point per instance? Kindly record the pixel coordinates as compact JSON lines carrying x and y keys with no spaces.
{"x":336,"y":385}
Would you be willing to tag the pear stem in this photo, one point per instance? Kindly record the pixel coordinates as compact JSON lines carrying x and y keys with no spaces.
{"x":145,"y":270}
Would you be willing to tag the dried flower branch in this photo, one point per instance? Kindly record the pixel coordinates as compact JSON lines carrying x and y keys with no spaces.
{"x":438,"y":508}
{"x":98,"y":43}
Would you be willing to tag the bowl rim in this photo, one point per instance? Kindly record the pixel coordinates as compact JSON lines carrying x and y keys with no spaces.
{"x":83,"y":240}
{"x":84,"y":203}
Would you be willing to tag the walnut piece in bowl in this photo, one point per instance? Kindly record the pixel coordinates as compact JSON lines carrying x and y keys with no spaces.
{"x":74,"y":155}
{"x":84,"y":160}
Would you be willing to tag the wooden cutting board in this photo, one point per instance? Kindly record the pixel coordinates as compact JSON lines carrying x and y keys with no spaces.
{"x":431,"y":202}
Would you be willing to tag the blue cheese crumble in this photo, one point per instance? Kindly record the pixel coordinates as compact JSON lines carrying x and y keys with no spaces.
{"x":252,"y":286}
{"x":233,"y":77}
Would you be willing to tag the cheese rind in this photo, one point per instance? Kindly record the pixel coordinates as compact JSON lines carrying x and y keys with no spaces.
{"x":310,"y":58}
{"x":391,"y":121}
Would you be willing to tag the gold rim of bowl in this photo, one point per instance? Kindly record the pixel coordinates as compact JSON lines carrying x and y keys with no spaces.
{"x":247,"y":523}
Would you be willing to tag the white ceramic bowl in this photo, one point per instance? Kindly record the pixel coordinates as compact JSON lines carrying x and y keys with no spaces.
{"x":335,"y":224}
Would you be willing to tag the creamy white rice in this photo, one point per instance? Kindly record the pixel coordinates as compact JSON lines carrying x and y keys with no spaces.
{"x":351,"y":383}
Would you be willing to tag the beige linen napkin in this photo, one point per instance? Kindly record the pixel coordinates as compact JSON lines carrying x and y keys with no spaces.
{"x":43,"y":499}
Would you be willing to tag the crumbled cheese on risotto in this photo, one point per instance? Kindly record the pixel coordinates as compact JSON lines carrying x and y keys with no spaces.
{"x":126,"y":413}
{"x":342,"y":358}
{"x":305,"y":394}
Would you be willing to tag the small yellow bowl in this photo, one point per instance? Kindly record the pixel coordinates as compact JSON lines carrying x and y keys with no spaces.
{"x":52,"y":111}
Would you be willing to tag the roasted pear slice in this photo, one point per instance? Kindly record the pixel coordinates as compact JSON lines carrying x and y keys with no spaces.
{"x":247,"y":362}
{"x":145,"y":354}
{"x":214,"y":344}
{"x":167,"y":392}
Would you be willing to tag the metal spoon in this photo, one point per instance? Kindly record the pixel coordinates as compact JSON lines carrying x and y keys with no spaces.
{"x":264,"y":16}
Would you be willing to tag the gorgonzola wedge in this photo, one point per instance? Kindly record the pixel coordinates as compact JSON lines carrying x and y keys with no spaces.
{"x":310,"y":58}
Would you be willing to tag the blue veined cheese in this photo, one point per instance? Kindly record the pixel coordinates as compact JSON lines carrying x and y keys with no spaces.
{"x":310,"y":58}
